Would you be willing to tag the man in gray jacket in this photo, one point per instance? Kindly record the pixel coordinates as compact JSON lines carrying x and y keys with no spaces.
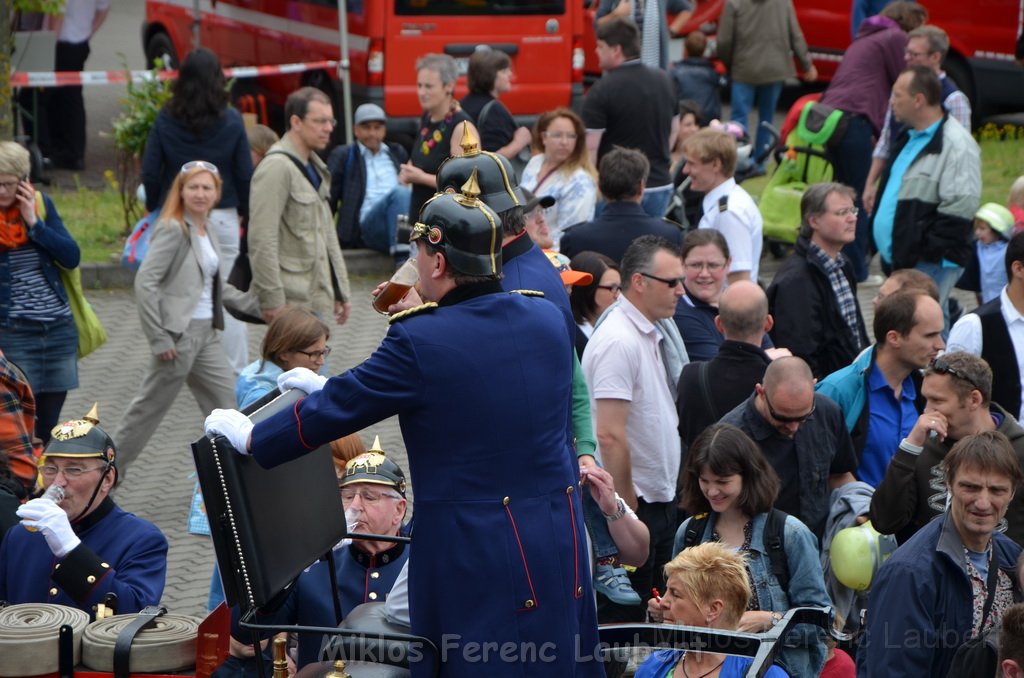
{"x":294,"y":252}
{"x":757,"y":40}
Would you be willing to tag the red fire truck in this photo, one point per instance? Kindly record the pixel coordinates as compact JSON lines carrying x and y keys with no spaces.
{"x":543,"y":37}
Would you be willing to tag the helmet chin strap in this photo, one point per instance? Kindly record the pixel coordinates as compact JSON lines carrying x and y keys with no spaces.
{"x":95,"y":492}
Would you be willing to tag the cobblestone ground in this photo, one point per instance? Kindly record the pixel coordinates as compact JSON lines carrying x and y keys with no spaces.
{"x":159,"y":484}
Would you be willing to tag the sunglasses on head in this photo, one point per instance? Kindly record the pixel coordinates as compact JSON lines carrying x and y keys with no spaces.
{"x":940,"y":366}
{"x":200,"y":164}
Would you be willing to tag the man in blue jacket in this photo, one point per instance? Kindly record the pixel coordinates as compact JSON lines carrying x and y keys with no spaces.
{"x":956,"y":577}
{"x":84,"y":547}
{"x":498,"y":571}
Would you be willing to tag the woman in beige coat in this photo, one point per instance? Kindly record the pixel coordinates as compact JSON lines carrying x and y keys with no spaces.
{"x":179,"y":292}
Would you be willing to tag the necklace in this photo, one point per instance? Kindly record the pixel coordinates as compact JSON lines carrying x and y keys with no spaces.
{"x":427,"y":140}
{"x":706,"y":673}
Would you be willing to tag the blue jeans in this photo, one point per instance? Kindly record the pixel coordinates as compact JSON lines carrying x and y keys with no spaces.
{"x":597,"y":526}
{"x":656,"y":202}
{"x":743,"y":99}
{"x":945,"y":278}
{"x":379,"y":224}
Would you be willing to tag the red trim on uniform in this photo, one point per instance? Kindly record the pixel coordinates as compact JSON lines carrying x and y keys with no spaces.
{"x":298,"y":424}
{"x":526,"y":568}
{"x":577,"y":592}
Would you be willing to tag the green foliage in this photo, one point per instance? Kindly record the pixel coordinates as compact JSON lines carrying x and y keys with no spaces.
{"x":41,"y":6}
{"x":94,"y":219}
{"x":131,"y":129}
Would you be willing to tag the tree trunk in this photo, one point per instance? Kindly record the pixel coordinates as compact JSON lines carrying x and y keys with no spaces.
{"x":6,"y":40}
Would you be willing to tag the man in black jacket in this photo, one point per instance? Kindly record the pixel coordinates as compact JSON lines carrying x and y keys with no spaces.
{"x":813,"y":297}
{"x":364,"y":180}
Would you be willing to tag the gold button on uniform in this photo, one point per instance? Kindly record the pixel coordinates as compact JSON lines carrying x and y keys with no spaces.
{"x":105,"y":565}
{"x":372,"y":596}
{"x":53,"y":591}
{"x":375,"y":575}
{"x":505,"y":501}
{"x":528,"y":604}
{"x":568,"y":490}
{"x":91,"y":579}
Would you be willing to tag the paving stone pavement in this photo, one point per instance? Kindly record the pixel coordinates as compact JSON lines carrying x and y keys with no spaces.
{"x":159,"y":484}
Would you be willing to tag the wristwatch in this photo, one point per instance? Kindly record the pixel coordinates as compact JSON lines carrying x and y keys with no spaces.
{"x":611,"y":518}
{"x":776,"y":618}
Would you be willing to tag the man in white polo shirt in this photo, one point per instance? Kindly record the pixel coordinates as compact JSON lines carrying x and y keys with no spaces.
{"x":633,"y":404}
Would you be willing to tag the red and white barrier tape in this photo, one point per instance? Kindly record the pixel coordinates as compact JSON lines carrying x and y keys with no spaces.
{"x":62,"y":78}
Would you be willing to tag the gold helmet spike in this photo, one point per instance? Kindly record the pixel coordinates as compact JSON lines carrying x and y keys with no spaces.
{"x":471,"y":189}
{"x":470,"y":144}
{"x":94,"y":414}
{"x":376,"y":445}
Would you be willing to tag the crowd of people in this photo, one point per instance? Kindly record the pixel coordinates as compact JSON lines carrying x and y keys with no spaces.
{"x":608,"y":416}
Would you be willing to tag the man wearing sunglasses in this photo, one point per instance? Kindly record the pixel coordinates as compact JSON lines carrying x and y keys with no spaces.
{"x":803,"y":436}
{"x":958,"y":390}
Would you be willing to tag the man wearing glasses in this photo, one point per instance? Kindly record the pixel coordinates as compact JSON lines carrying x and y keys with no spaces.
{"x":373,"y":493}
{"x":622,"y":178}
{"x":802,"y":435}
{"x":79,"y":550}
{"x":634,"y":404}
{"x":958,"y":389}
{"x":813,"y":297}
{"x":293,"y":247}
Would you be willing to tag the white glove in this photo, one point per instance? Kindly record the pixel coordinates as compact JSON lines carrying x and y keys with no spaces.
{"x":233,"y":425}
{"x":50,"y":519}
{"x":301,"y":378}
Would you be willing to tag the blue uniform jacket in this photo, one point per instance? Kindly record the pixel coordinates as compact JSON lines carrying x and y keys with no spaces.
{"x":920,"y":610}
{"x":120,"y":552}
{"x":362,"y":578}
{"x":498,"y":570}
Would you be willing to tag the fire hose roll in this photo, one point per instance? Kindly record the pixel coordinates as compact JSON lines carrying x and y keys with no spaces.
{"x":168,"y":645}
{"x":28,"y":637}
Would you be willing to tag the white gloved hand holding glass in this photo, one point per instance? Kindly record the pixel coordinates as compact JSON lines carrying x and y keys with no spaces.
{"x":46,"y":517}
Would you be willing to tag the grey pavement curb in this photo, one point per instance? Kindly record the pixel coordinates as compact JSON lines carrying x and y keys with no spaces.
{"x":360,"y":263}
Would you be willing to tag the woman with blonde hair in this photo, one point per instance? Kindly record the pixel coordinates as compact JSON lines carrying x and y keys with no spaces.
{"x":179,"y":292}
{"x":706,"y":586}
{"x":561,"y":169}
{"x":37,"y":330}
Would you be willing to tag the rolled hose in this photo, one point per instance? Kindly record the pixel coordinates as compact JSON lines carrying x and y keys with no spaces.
{"x":169,"y":645}
{"x":28,"y":637}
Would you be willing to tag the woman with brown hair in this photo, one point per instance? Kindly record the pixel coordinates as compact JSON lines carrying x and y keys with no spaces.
{"x":561,"y":169}
{"x":489,"y":76}
{"x":296,"y":338}
{"x":729,"y":487}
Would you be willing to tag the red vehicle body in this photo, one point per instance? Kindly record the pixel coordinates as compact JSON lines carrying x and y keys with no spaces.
{"x":982,"y":37}
{"x":386,"y":37}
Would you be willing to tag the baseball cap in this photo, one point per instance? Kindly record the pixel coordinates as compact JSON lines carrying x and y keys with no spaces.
{"x":532,"y":201}
{"x":370,"y":113}
{"x":569,"y":276}
{"x":997,"y":217}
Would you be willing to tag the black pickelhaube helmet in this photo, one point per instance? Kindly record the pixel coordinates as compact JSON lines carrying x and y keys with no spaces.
{"x":466,"y":230}
{"x":81,"y":438}
{"x":499,"y":186}
{"x":375,"y":468}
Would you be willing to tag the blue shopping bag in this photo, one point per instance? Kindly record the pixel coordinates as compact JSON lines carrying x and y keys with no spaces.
{"x":137,"y":244}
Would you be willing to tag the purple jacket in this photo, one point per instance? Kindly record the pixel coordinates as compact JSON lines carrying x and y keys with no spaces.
{"x":870,"y":66}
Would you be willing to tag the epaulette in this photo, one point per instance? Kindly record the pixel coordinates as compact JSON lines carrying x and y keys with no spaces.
{"x":415,"y":310}
{"x":723,"y":203}
{"x":529,"y":293}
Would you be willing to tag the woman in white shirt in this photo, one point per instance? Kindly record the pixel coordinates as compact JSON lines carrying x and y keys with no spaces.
{"x":562,"y":170}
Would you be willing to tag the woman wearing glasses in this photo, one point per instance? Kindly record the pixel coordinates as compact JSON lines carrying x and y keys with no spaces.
{"x":729,"y":487}
{"x":37,"y":331}
{"x":179,"y":290}
{"x":562,"y":170}
{"x":196,"y":122}
{"x":297,"y":338}
{"x":588,"y":302}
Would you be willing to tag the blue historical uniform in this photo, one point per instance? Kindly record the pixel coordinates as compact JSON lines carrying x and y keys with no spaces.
{"x":120,"y":553}
{"x":525,"y":267}
{"x":498,"y":570}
